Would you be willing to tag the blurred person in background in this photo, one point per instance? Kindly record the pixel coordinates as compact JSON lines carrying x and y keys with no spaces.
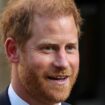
{"x":41,"y":43}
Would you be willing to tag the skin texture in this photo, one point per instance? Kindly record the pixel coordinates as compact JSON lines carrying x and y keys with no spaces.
{"x":45,"y":72}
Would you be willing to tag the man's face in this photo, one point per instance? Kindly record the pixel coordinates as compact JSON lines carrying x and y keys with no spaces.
{"x":50,"y":62}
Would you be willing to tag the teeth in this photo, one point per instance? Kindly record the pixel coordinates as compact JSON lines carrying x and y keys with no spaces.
{"x":58,"y":78}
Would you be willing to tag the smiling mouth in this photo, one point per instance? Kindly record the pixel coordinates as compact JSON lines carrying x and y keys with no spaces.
{"x":60,"y":80}
{"x":58,"y":77}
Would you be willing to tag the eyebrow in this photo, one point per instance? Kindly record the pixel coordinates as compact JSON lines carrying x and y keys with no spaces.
{"x":48,"y":41}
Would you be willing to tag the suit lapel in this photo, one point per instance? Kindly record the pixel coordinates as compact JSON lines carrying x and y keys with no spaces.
{"x":4,"y":99}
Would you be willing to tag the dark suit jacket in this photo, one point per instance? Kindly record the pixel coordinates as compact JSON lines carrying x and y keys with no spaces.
{"x":4,"y":99}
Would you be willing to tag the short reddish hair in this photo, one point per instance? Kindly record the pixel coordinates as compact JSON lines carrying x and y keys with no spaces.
{"x":16,"y":20}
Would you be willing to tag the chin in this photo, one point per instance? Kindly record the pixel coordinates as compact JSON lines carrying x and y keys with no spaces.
{"x":58,"y":96}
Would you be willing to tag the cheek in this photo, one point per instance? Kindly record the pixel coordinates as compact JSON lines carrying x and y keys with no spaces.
{"x":41,"y":61}
{"x":74,"y":61}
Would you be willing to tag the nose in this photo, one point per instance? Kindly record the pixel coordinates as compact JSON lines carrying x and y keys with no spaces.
{"x":61,"y":61}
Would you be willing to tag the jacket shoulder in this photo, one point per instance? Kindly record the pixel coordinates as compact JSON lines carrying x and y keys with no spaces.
{"x":4,"y":99}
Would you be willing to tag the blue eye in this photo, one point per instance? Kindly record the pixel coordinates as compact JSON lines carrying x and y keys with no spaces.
{"x":48,"y":48}
{"x":70,"y":48}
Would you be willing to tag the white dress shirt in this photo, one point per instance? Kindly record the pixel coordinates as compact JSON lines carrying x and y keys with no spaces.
{"x":15,"y":99}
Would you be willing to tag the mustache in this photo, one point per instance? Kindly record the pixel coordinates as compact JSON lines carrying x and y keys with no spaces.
{"x":65,"y":72}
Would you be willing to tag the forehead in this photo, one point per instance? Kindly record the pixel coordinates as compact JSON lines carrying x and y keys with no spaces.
{"x":46,"y":23}
{"x":45,"y":27}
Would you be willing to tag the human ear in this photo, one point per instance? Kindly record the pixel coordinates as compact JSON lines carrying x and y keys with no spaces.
{"x":11,"y":50}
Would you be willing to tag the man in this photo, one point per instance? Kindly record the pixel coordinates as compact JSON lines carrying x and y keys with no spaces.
{"x":41,"y":44}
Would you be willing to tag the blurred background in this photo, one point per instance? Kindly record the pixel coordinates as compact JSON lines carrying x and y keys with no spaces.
{"x":90,"y":86}
{"x":4,"y":67}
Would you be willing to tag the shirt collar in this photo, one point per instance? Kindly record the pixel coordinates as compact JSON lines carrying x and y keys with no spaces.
{"x":15,"y":99}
